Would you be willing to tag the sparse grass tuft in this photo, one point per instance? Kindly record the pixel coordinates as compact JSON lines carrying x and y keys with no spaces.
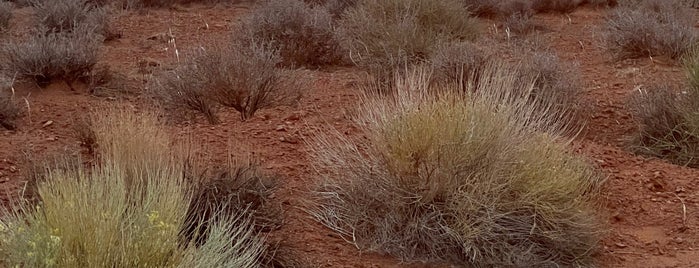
{"x":5,"y":15}
{"x":61,"y":55}
{"x":649,"y":28}
{"x":304,"y":35}
{"x":128,"y":211}
{"x":382,"y":35}
{"x":463,"y":179}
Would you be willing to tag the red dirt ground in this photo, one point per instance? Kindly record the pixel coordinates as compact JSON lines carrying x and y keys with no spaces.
{"x":652,"y":206}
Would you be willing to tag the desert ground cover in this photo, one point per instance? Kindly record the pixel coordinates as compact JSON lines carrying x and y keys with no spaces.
{"x":349,"y":133}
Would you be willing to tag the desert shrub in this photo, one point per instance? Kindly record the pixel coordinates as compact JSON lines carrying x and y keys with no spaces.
{"x":9,"y":109}
{"x":122,"y":212}
{"x":302,"y":34}
{"x":601,"y":3}
{"x":381,"y":35}
{"x":560,"y":6}
{"x":182,"y":91}
{"x":5,"y":15}
{"x":483,"y":8}
{"x":241,"y":75}
{"x":555,"y":81}
{"x":238,"y":186}
{"x":59,"y":55}
{"x":466,"y":179}
{"x":336,"y":7}
{"x":668,"y":119}
{"x":66,"y":15}
{"x":649,"y":28}
{"x":458,"y":61}
{"x":667,"y":126}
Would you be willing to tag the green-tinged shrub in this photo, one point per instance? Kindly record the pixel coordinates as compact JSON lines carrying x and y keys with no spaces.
{"x":476,"y":180}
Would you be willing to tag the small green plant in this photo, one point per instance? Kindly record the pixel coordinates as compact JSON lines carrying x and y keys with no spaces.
{"x":382,"y":35}
{"x":649,"y":28}
{"x":475,"y":180}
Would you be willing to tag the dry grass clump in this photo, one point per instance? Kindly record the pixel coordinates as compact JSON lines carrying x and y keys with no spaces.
{"x":241,"y":75}
{"x":649,"y":28}
{"x":464,"y":179}
{"x":10,"y":110}
{"x":127,"y":211}
{"x":381,"y":35}
{"x":5,"y":15}
{"x":304,"y":35}
{"x":57,"y":55}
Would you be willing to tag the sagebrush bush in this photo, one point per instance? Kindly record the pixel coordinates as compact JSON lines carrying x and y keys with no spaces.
{"x":381,"y":35}
{"x":5,"y":15}
{"x":57,"y":55}
{"x":241,"y":75}
{"x":649,"y":28}
{"x":128,"y":211}
{"x":304,"y":35}
{"x":464,"y":179}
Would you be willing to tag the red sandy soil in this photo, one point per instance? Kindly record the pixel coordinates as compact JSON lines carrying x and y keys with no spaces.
{"x":651,"y":205}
